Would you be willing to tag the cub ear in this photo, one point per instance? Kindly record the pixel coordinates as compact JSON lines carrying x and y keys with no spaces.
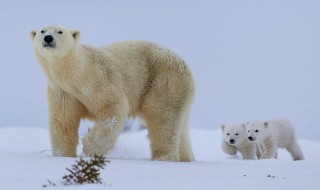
{"x":75,"y":34}
{"x":32,"y":34}
{"x":222,"y":127}
{"x":266,"y":124}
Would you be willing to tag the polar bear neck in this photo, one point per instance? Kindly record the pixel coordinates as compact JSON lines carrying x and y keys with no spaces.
{"x":57,"y":67}
{"x":69,"y":57}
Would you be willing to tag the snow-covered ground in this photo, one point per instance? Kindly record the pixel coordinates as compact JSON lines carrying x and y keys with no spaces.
{"x":26,"y":163}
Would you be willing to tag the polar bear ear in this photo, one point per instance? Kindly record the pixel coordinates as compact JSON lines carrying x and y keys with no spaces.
{"x":33,"y":34}
{"x":222,"y":127}
{"x":266,"y":124}
{"x":243,"y":125}
{"x":75,"y":34}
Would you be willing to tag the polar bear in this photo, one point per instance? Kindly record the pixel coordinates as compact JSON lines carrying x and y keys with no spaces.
{"x":271,"y":135}
{"x":235,"y":139}
{"x":108,"y":85}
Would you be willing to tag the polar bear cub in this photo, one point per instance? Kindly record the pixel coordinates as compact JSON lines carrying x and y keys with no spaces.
{"x":235,"y":139}
{"x":110,"y":84}
{"x":271,"y":135}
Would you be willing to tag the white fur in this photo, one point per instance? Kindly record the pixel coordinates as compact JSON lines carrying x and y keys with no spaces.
{"x":272,"y":135}
{"x":48,"y":33}
{"x":237,"y":134}
{"x":109,"y":84}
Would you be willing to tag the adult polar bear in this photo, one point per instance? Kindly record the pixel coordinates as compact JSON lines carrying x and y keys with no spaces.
{"x":110,"y":84}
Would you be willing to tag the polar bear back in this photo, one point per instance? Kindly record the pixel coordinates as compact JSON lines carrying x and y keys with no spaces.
{"x":140,"y":62}
{"x":282,"y":132}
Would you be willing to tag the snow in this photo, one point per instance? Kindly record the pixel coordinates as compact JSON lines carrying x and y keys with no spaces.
{"x":26,"y":163}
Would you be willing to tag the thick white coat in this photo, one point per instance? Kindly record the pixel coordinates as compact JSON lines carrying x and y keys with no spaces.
{"x":110,"y":84}
{"x":271,"y":135}
{"x":235,"y":140}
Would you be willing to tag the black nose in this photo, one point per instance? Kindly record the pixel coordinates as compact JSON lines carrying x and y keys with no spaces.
{"x":250,"y":138}
{"x":231,"y":141}
{"x":48,"y":39}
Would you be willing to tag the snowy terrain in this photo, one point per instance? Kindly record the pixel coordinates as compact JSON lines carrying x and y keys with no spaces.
{"x":26,"y":163}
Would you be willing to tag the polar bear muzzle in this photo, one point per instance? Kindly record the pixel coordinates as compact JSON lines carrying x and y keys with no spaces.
{"x":48,"y":42}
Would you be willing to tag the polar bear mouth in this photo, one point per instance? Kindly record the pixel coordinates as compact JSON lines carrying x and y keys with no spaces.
{"x":48,"y":45}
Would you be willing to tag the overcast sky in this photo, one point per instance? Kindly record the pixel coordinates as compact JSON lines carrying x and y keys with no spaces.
{"x":250,"y":59}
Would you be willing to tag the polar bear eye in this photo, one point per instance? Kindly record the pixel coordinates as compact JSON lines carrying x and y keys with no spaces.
{"x":228,"y":134}
{"x":60,"y":32}
{"x":237,"y":134}
{"x":42,"y":31}
{"x":257,"y":131}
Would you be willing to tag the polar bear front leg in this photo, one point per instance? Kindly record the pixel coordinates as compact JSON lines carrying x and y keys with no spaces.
{"x":102,"y":137}
{"x":260,"y":149}
{"x":228,"y":149}
{"x":270,"y":149}
{"x":249,"y":152}
{"x":64,"y":119}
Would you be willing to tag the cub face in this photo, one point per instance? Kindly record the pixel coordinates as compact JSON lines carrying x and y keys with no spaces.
{"x":258,"y":131}
{"x":234,"y":134}
{"x":54,"y":41}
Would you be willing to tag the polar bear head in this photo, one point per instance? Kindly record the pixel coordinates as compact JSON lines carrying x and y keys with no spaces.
{"x":258,"y":130}
{"x":54,"y":41}
{"x":234,"y":134}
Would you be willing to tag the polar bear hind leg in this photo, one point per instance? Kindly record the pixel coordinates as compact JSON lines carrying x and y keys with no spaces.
{"x":295,"y":151}
{"x":168,"y":136}
{"x":165,"y":108}
{"x":185,"y":150}
{"x":164,"y":137}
